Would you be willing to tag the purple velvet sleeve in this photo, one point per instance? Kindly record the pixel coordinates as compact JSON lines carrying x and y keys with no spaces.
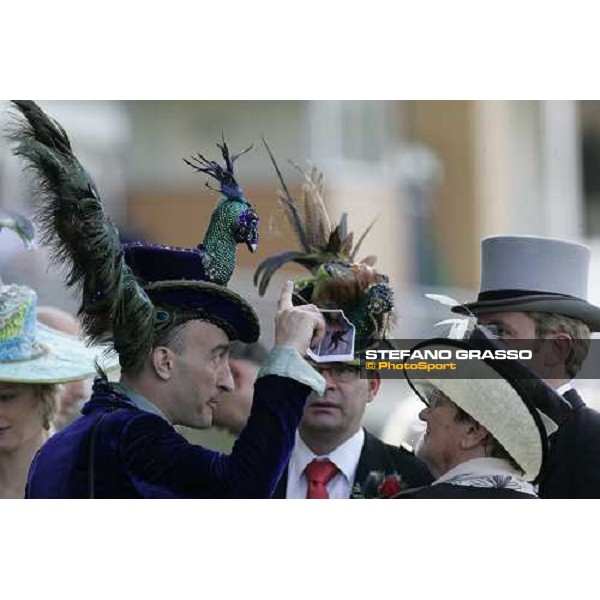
{"x":163,"y":464}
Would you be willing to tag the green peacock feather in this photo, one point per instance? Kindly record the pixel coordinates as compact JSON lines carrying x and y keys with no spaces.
{"x":114,"y":308}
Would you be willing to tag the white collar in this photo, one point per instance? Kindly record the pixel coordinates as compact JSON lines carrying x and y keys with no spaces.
{"x":138,"y":400}
{"x":345,"y":457}
{"x":479,"y":466}
{"x":486,"y":472}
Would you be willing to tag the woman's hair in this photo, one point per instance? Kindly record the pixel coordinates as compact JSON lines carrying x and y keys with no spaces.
{"x":493,"y":448}
{"x":47,"y":394}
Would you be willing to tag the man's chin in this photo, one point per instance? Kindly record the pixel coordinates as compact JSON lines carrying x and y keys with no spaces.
{"x":206,"y":422}
{"x":199,"y":422}
{"x":321,"y":424}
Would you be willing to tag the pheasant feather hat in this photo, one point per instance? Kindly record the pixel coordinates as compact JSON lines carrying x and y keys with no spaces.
{"x":337,"y":280}
{"x":129,"y":291}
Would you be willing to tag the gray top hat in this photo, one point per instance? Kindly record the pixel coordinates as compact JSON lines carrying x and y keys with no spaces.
{"x":526,"y":274}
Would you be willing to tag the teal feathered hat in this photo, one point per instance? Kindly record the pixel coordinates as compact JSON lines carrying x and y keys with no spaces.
{"x":131,"y":291}
{"x":337,"y":280}
{"x":30,"y":352}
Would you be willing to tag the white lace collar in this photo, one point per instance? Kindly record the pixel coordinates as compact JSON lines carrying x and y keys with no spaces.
{"x":487,"y":472}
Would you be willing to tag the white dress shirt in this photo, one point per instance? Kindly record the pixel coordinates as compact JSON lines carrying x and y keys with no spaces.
{"x":345,"y":458}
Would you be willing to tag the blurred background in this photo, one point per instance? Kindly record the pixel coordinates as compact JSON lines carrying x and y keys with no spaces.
{"x":439,"y":175}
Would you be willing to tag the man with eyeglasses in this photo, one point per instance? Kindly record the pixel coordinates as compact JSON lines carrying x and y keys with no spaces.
{"x":333,"y":456}
{"x":484,"y":438}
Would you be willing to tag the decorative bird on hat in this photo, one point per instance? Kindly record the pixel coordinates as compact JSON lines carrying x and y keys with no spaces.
{"x":329,"y":253}
{"x":115,"y":307}
{"x":234,"y":221}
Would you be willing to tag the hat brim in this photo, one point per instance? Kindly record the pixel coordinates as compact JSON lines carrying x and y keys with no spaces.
{"x":64,"y":359}
{"x":503,"y":414}
{"x":226,"y":308}
{"x":570,"y":307}
{"x":496,"y":403}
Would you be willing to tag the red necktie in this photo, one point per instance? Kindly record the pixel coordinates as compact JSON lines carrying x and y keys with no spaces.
{"x":318,"y":474}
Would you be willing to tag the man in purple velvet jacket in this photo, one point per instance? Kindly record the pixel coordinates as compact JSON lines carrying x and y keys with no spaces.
{"x":168,"y":314}
{"x":125,"y":445}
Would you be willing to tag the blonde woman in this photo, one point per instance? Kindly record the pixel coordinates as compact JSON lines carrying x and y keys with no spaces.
{"x":34,"y":361}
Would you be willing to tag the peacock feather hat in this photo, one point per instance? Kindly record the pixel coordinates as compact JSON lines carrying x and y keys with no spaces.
{"x":129,"y":291}
{"x":337,"y":280}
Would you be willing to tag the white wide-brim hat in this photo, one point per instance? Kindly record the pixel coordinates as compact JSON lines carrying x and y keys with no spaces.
{"x":501,"y":405}
{"x":58,"y":358}
{"x":534,"y":274}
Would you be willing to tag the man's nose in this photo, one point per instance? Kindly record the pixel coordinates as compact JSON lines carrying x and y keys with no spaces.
{"x":225,"y":380}
{"x":330,"y":382}
{"x":424,"y":414}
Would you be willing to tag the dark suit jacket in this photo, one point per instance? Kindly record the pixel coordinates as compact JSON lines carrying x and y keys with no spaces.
{"x":377,"y":456}
{"x":573,"y":468}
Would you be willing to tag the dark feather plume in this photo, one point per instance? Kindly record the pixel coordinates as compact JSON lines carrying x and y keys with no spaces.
{"x":362,"y":239}
{"x":225,"y":176}
{"x":267,"y":268}
{"x":80,"y":235}
{"x":321,"y":245}
{"x":316,"y":219}
{"x":289,"y":204}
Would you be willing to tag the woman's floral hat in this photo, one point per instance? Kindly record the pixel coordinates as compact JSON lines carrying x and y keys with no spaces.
{"x":32,"y":353}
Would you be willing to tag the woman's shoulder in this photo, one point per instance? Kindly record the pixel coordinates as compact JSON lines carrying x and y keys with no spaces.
{"x":449,"y":490}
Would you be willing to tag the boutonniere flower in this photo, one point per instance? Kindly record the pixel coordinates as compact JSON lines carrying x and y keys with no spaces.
{"x":379,"y":485}
{"x":391,"y":486}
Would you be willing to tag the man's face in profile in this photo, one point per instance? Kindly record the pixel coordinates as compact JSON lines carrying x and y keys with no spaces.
{"x":511,"y":327}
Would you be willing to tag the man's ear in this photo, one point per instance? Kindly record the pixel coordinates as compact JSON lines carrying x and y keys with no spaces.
{"x":560,"y":346}
{"x":237,"y":372}
{"x":374,"y":382}
{"x":163,"y":362}
{"x":474,"y":436}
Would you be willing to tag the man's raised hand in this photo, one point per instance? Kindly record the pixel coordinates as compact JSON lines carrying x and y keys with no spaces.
{"x":297,"y":327}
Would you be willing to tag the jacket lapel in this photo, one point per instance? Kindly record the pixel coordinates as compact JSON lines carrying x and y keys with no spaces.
{"x":574,"y":399}
{"x":372,"y":458}
{"x":554,"y":466}
{"x":281,"y":487}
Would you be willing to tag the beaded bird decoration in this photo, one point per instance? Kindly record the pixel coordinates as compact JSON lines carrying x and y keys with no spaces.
{"x":338,"y":281}
{"x":115,"y":309}
{"x":234,"y":220}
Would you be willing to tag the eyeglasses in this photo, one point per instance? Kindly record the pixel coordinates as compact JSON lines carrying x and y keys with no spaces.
{"x":435,"y":397}
{"x":339,"y":373}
